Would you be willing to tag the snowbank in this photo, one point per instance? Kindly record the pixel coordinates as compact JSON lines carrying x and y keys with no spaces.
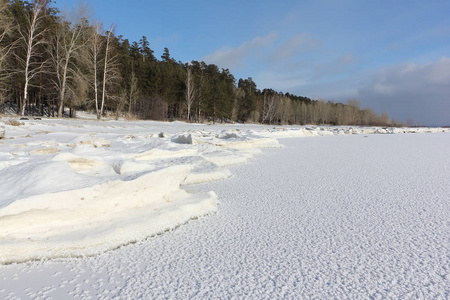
{"x":99,"y":218}
{"x":76,"y":188}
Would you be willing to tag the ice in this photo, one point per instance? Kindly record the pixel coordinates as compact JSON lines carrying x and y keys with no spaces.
{"x":102,"y":217}
{"x":345,"y":216}
{"x":81,"y":164}
{"x":132,"y":167}
{"x":230,"y":158}
{"x":155,"y":154}
{"x":198,"y":177}
{"x":81,"y":187}
{"x":184,"y":139}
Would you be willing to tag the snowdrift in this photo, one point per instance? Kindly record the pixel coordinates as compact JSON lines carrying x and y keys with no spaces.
{"x":102,"y":217}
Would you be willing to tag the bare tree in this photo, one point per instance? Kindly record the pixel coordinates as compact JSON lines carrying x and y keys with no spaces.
{"x":353,"y":111}
{"x":322,"y":111}
{"x":77,"y":91}
{"x":93,"y":55}
{"x":105,"y":68}
{"x":284,"y":109}
{"x":190,"y":95}
{"x":110,"y":70}
{"x":32,"y":37}
{"x":269,"y":107}
{"x":70,"y":38}
{"x":384,"y":119}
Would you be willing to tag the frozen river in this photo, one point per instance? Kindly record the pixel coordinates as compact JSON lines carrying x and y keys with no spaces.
{"x":355,"y":216}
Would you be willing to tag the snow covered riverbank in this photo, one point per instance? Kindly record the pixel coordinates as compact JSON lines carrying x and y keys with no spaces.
{"x":73,"y":188}
{"x":343,"y":216}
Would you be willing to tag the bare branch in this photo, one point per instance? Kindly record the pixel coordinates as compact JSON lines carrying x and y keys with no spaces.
{"x":31,"y":37}
{"x":70,"y":38}
{"x":110,"y":69}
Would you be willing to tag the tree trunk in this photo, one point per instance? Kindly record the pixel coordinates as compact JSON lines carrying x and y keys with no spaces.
{"x":105,"y":72}
{"x":31,"y":42}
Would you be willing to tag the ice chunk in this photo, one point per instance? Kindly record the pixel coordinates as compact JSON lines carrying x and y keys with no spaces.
{"x":99,"y":218}
{"x":184,"y":139}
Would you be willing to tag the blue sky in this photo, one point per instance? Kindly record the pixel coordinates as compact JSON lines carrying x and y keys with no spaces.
{"x":393,"y":56}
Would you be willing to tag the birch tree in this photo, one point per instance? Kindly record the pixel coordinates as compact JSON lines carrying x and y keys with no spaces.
{"x":269,"y":107}
{"x":94,"y":52}
{"x":70,"y":38}
{"x":105,"y":68}
{"x":32,"y":37}
{"x":189,"y":91}
{"x":110,"y":70}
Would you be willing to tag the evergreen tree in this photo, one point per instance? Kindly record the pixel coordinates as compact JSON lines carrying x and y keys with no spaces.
{"x":146,"y":52}
{"x":247,"y":103}
{"x":135,"y":51}
{"x":166,"y":55}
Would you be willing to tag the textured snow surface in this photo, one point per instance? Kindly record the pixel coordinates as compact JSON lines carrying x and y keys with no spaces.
{"x":75,"y":188}
{"x":72,"y":188}
{"x":342,"y":216}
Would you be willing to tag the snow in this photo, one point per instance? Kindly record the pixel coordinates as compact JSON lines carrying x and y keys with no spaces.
{"x":352,"y":214}
{"x":75,"y":188}
{"x":91,"y":220}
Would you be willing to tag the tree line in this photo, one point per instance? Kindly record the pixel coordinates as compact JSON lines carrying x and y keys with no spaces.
{"x":54,"y":62}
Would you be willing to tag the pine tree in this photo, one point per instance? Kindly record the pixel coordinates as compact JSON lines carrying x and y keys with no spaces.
{"x":166,"y":55}
{"x":146,"y":52}
{"x":247,"y":103}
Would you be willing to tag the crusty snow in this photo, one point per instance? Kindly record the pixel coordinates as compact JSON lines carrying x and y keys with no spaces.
{"x":93,"y":209}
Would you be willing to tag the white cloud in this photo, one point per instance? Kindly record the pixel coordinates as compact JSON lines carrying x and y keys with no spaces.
{"x":420,"y":92}
{"x":232,"y":57}
{"x":412,"y":78}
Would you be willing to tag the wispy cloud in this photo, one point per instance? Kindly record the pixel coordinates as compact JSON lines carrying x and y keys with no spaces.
{"x":268,"y":49}
{"x":347,"y":59}
{"x":294,"y":74}
{"x":233,"y":57}
{"x":279,"y":81}
{"x":299,"y":43}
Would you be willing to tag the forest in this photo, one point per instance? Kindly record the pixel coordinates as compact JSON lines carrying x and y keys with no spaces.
{"x":54,"y":63}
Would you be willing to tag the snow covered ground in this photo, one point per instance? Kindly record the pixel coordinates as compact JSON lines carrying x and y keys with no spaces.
{"x":350,"y":215}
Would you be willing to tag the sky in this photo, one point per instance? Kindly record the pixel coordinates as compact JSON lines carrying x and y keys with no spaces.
{"x":391,"y":55}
